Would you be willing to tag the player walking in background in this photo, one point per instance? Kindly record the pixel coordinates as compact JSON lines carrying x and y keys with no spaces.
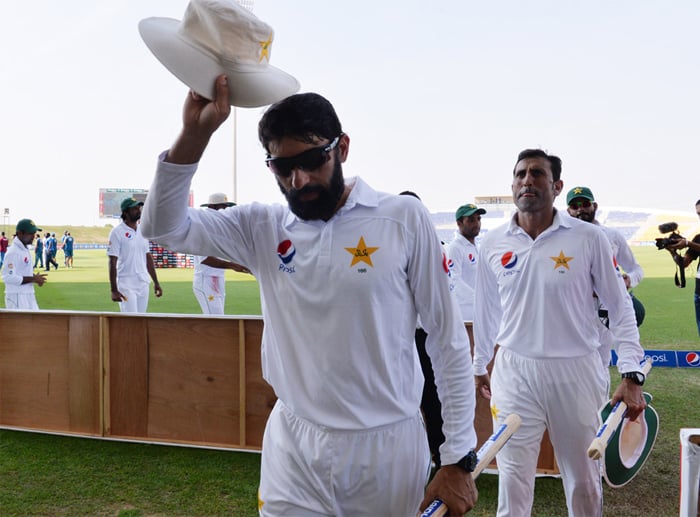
{"x":536,"y":276}
{"x":209,"y":281}
{"x":68,"y":249}
{"x":582,"y":205}
{"x":343,"y":270}
{"x":464,"y":254}
{"x":39,"y":251}
{"x":18,"y":273}
{"x":130,"y":262}
{"x":51,"y":245}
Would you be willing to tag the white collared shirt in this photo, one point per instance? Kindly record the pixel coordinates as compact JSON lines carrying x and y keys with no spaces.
{"x":340,"y":300}
{"x":534,"y":296}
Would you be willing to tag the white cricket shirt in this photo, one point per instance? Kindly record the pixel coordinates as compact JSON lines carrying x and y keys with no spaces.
{"x":463,"y":258}
{"x":130,"y":248}
{"x":534,"y":296}
{"x":340,"y":300}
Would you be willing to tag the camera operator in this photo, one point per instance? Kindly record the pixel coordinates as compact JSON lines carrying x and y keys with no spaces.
{"x":692,"y":252}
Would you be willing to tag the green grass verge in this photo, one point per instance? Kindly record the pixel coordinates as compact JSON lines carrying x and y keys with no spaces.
{"x":52,"y":475}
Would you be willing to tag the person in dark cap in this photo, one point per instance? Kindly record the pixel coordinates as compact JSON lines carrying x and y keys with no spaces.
{"x":18,"y":273}
{"x":582,"y":205}
{"x":131,"y":264}
{"x":463,"y":253}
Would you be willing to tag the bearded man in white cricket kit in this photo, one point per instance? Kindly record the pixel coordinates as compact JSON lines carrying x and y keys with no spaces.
{"x":343,"y":271}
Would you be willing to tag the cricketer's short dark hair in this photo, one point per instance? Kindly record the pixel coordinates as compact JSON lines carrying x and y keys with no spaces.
{"x":554,"y":161}
{"x":304,"y":117}
{"x":697,"y":202}
{"x":409,"y":193}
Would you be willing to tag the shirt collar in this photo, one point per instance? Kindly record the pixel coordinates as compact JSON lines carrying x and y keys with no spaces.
{"x":361,"y":194}
{"x":559,"y":221}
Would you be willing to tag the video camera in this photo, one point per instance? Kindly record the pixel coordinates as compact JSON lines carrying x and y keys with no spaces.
{"x":664,"y":242}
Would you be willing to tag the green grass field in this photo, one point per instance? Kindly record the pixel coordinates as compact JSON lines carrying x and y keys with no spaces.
{"x":52,"y":475}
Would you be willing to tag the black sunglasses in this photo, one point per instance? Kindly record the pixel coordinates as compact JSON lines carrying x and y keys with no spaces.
{"x":580,"y":204}
{"x":308,"y":161}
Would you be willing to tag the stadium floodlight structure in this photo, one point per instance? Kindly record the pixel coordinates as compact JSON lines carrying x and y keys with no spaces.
{"x":248,"y":4}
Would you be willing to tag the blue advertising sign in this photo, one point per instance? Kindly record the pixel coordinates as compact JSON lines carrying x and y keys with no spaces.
{"x":668,"y":358}
{"x":688,"y":359}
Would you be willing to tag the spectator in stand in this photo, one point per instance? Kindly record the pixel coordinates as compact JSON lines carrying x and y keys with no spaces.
{"x":692,"y":252}
{"x":3,"y":248}
{"x":18,"y":273}
{"x":39,"y":251}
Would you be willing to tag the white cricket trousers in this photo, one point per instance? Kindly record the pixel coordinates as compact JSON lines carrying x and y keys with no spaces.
{"x":21,"y":301}
{"x":308,"y":470}
{"x":210,"y":292}
{"x":136,"y":292}
{"x":563,"y":396}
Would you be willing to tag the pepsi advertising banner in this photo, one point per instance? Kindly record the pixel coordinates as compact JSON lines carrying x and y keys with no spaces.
{"x":669,"y":358}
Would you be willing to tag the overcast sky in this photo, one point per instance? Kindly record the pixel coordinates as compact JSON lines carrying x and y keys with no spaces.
{"x":437,"y":97}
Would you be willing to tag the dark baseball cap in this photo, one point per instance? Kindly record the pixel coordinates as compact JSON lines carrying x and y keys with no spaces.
{"x":467,"y":210}
{"x":27,"y":226}
{"x":582,"y":192}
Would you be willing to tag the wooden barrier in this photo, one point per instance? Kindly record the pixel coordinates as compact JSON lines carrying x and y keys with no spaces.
{"x":193,"y":380}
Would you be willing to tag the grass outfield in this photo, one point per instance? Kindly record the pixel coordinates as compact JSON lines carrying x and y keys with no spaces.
{"x":51,"y":475}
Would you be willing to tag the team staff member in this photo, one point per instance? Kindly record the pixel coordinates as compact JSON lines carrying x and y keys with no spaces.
{"x":463,"y":253}
{"x":343,"y":270}
{"x":535,"y":277}
{"x":209,"y":281}
{"x":130,"y":261}
{"x":18,"y":273}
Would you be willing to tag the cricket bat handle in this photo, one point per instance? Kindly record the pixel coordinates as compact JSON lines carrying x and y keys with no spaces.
{"x":596,"y":449}
{"x":484,"y":457}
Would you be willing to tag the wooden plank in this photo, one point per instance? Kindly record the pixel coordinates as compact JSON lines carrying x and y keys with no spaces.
{"x":84,"y":374}
{"x":128,"y":376}
{"x":240,"y":348}
{"x":34,"y":371}
{"x":193,"y":380}
{"x":260,"y":398}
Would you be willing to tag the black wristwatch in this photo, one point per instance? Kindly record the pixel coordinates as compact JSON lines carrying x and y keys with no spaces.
{"x":636,"y":377}
{"x":469,"y":462}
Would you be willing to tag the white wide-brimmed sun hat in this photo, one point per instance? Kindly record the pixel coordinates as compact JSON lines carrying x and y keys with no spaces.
{"x":218,"y":198}
{"x":220,"y":37}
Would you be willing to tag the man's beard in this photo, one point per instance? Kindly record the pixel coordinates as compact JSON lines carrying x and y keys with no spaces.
{"x":132,"y":218}
{"x":586,"y":216}
{"x":324,"y":206}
